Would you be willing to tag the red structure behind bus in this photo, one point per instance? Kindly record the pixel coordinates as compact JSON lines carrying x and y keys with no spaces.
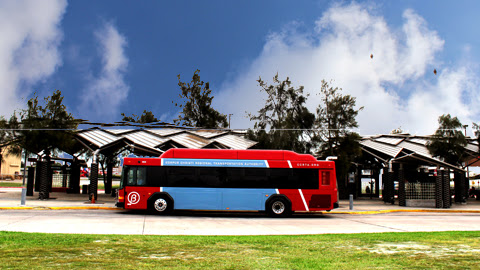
{"x":276,"y":181}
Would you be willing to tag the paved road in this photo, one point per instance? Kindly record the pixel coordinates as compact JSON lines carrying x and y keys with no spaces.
{"x":201,"y":223}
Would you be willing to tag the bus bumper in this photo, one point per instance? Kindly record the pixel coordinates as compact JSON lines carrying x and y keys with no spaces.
{"x":120,"y":204}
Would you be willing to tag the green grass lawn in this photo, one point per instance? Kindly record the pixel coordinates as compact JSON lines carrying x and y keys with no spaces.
{"x":10,"y":184}
{"x":441,"y":250}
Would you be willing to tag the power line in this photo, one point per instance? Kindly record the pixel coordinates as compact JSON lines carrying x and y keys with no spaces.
{"x":187,"y":128}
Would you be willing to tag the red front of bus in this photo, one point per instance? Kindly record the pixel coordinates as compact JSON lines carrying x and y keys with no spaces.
{"x":323,"y":198}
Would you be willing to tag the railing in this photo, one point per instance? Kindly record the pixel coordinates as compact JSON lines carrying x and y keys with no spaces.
{"x":420,"y":191}
{"x":60,"y":180}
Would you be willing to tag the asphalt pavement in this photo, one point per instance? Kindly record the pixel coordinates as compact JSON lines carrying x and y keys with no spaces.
{"x":76,"y":214}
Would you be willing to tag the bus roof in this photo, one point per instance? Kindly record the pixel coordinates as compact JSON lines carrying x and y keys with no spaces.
{"x":236,"y":154}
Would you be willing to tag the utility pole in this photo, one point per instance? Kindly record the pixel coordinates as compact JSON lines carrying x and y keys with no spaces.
{"x":466,"y":163}
{"x":229,"y":115}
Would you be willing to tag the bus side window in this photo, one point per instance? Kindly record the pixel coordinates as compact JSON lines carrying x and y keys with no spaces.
{"x":280,"y":178}
{"x":131,"y":181}
{"x":156,"y":176}
{"x":255,"y":177}
{"x":210,"y":177}
{"x":141,"y":176}
{"x":234,"y":177}
{"x":136,"y":176}
{"x":181,"y":176}
{"x":307,"y":178}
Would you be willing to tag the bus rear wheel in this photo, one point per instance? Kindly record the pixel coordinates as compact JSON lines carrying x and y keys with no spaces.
{"x":160,"y":205}
{"x":279,"y":207}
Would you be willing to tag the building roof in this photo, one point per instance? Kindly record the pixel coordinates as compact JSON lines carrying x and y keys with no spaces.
{"x":154,"y":141}
{"x":408,"y":148}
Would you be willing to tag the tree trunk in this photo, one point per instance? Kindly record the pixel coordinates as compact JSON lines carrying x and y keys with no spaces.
{"x":103,"y":171}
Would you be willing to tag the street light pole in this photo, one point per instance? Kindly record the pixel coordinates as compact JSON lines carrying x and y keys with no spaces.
{"x":229,"y":115}
{"x":468,"y":171}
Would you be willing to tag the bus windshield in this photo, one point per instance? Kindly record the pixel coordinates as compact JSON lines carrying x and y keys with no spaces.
{"x":122,"y":177}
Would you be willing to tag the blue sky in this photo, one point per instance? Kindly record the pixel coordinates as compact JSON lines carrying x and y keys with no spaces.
{"x":112,"y":57}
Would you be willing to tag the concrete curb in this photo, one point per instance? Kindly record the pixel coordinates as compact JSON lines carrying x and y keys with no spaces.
{"x":402,"y":210}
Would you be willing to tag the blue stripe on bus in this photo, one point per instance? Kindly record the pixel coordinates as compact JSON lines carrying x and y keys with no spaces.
{"x":219,"y":198}
{"x":214,"y":162}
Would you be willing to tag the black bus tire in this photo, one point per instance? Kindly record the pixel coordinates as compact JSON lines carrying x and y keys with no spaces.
{"x":279,"y":207}
{"x":160,"y":205}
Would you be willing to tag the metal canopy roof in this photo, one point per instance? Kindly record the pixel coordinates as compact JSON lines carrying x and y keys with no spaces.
{"x":407,"y":148}
{"x":209,"y":133}
{"x":189,"y":140}
{"x":98,"y":139}
{"x":390,"y":151}
{"x":157,"y":140}
{"x":235,"y":142}
{"x":165,"y":132}
{"x":144,"y":139}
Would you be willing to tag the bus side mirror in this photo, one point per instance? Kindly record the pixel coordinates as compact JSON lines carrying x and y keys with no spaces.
{"x":330,"y":158}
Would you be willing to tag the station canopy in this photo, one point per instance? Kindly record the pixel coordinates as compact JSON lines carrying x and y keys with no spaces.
{"x":412,"y":149}
{"x":155,"y":141}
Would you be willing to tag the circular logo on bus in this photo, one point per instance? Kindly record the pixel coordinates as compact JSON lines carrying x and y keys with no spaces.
{"x":133,"y":197}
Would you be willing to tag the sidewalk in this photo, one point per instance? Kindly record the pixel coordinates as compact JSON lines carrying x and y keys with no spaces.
{"x":377,"y":206}
{"x":10,"y":199}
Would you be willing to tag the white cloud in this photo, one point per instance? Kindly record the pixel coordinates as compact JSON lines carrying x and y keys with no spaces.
{"x":397,"y":87}
{"x":105,"y":92}
{"x":29,"y":52}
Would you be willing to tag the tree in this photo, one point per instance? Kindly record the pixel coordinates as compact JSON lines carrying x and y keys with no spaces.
{"x":145,"y":118}
{"x":196,"y":109}
{"x":45,"y":128}
{"x":284,"y":122}
{"x":7,"y":139}
{"x":448,"y":142}
{"x":336,"y":117}
{"x":476,"y":127}
{"x":4,"y":139}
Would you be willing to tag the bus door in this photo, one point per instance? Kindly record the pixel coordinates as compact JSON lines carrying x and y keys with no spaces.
{"x":136,"y":193}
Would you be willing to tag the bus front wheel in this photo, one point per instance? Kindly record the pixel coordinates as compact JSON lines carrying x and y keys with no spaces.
{"x":279,"y":207}
{"x":160,"y":205}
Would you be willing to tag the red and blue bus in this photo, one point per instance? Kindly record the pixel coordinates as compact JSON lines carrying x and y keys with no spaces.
{"x":276,"y":181}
